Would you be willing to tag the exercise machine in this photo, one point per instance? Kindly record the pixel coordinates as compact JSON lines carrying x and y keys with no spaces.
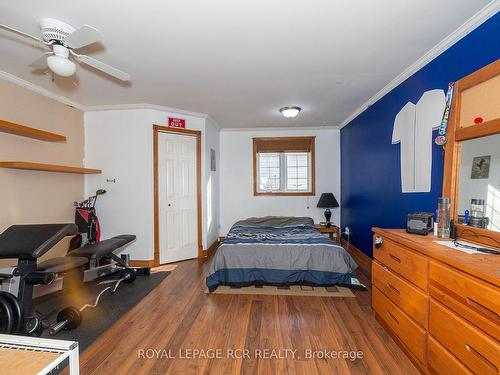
{"x":27,"y":243}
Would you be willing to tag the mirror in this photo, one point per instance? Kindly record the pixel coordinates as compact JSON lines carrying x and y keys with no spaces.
{"x":479,"y":183}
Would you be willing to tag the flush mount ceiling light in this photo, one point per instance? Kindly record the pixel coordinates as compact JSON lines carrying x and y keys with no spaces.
{"x":290,"y":112}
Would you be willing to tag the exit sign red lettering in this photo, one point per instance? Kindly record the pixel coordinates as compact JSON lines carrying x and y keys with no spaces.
{"x":176,"y":122}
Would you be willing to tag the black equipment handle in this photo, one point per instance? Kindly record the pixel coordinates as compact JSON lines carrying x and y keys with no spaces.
{"x":58,"y":327}
{"x":40,"y":278}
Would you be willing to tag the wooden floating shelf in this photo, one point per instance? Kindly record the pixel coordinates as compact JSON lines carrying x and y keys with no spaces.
{"x":47,"y":167}
{"x":26,"y":131}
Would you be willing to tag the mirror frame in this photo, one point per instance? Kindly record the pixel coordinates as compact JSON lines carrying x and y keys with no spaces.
{"x":452,"y":151}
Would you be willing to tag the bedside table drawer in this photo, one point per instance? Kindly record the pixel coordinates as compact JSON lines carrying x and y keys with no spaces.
{"x":403,"y":261}
{"x":409,"y":332}
{"x":475,"y":300}
{"x":475,"y":349}
{"x":406,"y":296}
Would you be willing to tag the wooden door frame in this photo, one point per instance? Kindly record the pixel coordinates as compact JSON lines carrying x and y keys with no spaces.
{"x":193,"y":133}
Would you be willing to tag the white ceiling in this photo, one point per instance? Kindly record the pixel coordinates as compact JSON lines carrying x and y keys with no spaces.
{"x":239,"y":61}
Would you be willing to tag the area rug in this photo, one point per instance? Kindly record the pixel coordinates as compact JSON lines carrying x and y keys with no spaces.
{"x":292,"y":290}
{"x":111,"y":307}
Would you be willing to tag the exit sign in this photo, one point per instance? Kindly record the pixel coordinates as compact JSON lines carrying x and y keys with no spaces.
{"x":176,"y":123}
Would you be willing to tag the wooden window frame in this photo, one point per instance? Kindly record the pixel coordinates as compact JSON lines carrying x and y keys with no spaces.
{"x":452,"y":156}
{"x":311,"y":140}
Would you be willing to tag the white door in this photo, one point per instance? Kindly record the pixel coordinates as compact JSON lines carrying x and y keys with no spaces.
{"x":178,"y":221}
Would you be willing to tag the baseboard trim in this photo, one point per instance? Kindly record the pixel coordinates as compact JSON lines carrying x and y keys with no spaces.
{"x":363,"y":260}
{"x":141,"y":263}
{"x":207,"y":252}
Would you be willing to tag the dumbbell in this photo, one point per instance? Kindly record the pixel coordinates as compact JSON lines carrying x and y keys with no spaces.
{"x":12,"y":313}
{"x":67,"y":319}
{"x":36,"y":323}
{"x":128,"y":275}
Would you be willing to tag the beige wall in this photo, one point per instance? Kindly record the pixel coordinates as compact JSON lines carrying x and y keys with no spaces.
{"x":36,"y":196}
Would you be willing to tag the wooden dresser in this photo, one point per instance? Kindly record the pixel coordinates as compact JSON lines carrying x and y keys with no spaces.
{"x":441,"y":305}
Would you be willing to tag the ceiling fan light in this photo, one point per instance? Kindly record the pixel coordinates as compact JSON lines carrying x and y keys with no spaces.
{"x":290,"y":112}
{"x":61,"y":66}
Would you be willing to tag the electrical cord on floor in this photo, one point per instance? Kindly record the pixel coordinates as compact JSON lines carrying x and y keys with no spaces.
{"x":348,"y":238}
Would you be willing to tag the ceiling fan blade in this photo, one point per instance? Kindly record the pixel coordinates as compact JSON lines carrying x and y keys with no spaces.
{"x":82,"y":36}
{"x":108,"y":69}
{"x":18,"y":32}
{"x":41,"y":62}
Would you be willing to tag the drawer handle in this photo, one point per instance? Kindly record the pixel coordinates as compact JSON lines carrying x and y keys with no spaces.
{"x":378,"y":242}
{"x":393,"y":317}
{"x":493,"y":315}
{"x":393,"y":288}
{"x":480,"y":356}
{"x":395,"y":258}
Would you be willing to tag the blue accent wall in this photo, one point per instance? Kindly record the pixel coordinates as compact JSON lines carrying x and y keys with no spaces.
{"x":370,"y":163}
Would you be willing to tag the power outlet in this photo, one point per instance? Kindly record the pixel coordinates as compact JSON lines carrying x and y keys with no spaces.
{"x":347,"y":231}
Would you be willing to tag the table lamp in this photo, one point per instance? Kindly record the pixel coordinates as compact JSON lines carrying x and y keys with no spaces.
{"x":327,"y":200}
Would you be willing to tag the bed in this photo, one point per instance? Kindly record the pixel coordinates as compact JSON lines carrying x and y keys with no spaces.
{"x":280,"y":251}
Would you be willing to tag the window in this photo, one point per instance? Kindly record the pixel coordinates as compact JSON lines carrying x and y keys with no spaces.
{"x":283,"y":166}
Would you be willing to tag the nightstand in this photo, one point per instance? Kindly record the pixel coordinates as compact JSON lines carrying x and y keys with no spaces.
{"x":333,"y":231}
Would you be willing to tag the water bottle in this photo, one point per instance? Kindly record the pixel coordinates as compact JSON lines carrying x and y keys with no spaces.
{"x":443,"y":227}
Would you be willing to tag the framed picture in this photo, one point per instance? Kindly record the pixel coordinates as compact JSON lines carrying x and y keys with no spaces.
{"x":213,"y":167}
{"x":480,"y":167}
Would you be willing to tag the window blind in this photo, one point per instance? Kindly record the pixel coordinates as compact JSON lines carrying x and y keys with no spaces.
{"x":284,"y":144}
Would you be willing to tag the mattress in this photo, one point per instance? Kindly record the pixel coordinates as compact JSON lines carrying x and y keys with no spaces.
{"x":280,"y":251}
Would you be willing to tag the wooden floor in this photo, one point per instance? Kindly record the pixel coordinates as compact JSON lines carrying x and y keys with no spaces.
{"x":178,"y":316}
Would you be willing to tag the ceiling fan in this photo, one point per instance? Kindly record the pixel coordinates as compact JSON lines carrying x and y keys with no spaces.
{"x":63,"y":39}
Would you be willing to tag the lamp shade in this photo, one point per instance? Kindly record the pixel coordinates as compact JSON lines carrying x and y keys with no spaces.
{"x":327,"y":200}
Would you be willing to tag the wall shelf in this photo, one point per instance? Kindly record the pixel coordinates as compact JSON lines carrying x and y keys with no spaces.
{"x":47,"y":167}
{"x":26,"y":131}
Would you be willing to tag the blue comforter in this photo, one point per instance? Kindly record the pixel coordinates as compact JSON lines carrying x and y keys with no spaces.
{"x":280,"y":251}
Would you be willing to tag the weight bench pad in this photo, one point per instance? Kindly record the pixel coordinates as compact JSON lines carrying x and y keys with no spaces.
{"x":32,"y":241}
{"x":102,"y":248}
{"x":61,"y":264}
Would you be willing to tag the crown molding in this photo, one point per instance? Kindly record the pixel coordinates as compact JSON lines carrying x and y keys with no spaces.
{"x":64,"y":100}
{"x":472,"y":23}
{"x":280,"y":128}
{"x":39,"y":90}
{"x":116,"y":107}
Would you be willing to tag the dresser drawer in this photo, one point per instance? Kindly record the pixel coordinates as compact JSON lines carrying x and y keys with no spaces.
{"x":406,"y":296}
{"x":409,"y":332}
{"x":441,"y":362}
{"x":475,"y":349}
{"x":473,"y":299}
{"x":405,"y":262}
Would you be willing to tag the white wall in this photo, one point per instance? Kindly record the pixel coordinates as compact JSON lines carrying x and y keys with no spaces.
{"x":120,"y":142}
{"x":236,"y":191}
{"x":487,"y":188}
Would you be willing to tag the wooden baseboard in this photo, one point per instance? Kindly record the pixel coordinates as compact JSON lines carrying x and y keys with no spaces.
{"x":211,"y":249}
{"x":141,"y":263}
{"x":363,"y":260}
